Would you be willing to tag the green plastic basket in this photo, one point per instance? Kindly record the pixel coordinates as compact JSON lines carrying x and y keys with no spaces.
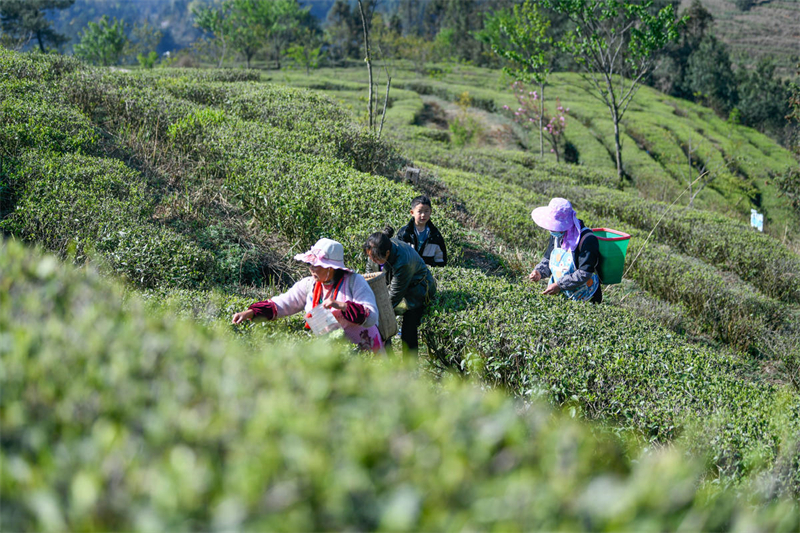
{"x":613,"y":247}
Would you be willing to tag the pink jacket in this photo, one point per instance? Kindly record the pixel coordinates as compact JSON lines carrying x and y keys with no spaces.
{"x":354,"y":288}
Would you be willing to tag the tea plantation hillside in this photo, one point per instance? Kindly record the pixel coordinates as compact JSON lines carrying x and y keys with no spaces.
{"x":195,"y":188}
{"x":122,"y":417}
{"x":658,"y":131}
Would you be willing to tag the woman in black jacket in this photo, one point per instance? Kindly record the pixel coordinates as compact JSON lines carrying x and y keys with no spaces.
{"x":409,"y":279}
{"x":572,"y":257}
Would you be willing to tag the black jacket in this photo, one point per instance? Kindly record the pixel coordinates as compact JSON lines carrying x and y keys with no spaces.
{"x":407,"y":275}
{"x":433,"y":251}
{"x":587,"y":261}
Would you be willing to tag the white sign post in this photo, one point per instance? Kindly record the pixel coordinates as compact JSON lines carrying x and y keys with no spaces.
{"x":757,"y":220}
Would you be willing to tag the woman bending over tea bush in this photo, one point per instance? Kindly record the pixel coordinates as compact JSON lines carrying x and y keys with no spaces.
{"x":409,"y":279}
{"x":572,"y":257}
{"x":333,"y":286}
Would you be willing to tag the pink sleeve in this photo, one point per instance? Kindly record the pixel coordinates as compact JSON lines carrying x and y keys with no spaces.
{"x":266,"y":309}
{"x":355,"y":313}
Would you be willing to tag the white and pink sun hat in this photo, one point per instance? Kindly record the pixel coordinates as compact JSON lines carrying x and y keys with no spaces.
{"x":325,"y":253}
{"x":559,"y":215}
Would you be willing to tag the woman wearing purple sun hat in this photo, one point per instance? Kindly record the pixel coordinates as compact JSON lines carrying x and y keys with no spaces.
{"x":572,"y":257}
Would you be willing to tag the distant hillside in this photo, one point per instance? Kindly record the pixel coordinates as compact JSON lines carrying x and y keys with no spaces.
{"x":172,"y":17}
{"x":769,"y":28}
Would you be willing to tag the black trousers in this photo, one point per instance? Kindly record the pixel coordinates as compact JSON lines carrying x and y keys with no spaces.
{"x":410,"y":332}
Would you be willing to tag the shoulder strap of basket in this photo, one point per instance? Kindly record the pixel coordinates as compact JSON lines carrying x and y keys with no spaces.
{"x":585,"y":232}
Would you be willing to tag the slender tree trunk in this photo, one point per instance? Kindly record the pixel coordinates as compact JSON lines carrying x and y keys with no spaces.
{"x":617,"y":143}
{"x":385,"y":102}
{"x":617,"y":146}
{"x":695,"y":193}
{"x":691,"y":181}
{"x":541,"y":119}
{"x":222,"y":55}
{"x":41,"y":42}
{"x":611,"y":102}
{"x":369,"y":61}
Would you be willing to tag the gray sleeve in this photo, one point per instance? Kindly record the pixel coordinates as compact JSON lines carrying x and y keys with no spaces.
{"x":574,"y":280}
{"x":544,"y":268}
{"x":544,"y":265}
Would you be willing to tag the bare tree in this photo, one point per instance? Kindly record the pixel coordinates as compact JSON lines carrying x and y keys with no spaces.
{"x":615,"y":42}
{"x":385,"y":98}
{"x":366,"y":20}
{"x":365,"y":24}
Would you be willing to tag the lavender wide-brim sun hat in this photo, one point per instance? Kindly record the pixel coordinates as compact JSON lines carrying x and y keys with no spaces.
{"x":326,"y":253}
{"x":558,"y":215}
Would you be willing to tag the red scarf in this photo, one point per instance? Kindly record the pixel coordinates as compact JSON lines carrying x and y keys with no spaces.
{"x":316,"y":299}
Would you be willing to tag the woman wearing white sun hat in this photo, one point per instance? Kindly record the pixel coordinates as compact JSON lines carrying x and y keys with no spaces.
{"x":345,"y":293}
{"x":572,"y":257}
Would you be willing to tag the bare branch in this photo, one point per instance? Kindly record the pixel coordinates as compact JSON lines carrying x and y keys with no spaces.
{"x":385,"y":100}
{"x":368,"y":59}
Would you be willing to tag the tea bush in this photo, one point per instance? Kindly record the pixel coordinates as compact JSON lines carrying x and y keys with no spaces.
{"x":65,"y":199}
{"x":727,"y":308}
{"x":36,"y":67}
{"x":118,"y":416}
{"x":124,"y":102}
{"x":326,"y":128}
{"x":211,"y":75}
{"x":479,"y":99}
{"x":510,"y":166}
{"x":77,"y":204}
{"x":151,"y":256}
{"x":215,"y":307}
{"x":610,"y":365}
{"x":270,"y":104}
{"x":307,"y":122}
{"x":34,"y":118}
